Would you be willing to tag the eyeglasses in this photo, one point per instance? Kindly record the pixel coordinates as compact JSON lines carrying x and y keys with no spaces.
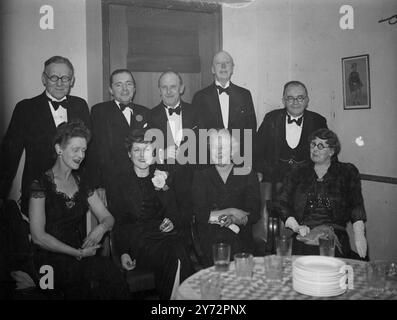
{"x":54,"y":78}
{"x":319,"y":146}
{"x":291,"y":99}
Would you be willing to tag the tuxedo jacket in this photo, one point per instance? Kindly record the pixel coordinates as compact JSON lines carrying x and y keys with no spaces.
{"x":271,"y":135}
{"x":107,"y":154}
{"x":32,"y":128}
{"x":182,"y":175}
{"x":241,"y":108}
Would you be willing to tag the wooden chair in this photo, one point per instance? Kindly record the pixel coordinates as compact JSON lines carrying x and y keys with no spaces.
{"x":267,"y":229}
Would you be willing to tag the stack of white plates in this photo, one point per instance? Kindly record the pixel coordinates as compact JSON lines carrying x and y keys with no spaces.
{"x":319,"y":276}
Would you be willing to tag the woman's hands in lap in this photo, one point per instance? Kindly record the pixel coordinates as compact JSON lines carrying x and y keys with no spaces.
{"x":166,"y":225}
{"x":94,"y":237}
{"x":127,"y":263}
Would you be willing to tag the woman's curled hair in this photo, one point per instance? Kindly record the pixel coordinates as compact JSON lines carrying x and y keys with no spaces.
{"x":72,"y":129}
{"x":330,"y":137}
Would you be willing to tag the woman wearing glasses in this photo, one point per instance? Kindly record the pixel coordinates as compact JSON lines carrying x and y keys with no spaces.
{"x":322,"y":197}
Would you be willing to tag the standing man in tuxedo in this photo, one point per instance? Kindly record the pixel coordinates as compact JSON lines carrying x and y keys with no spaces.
{"x":111,"y":122}
{"x":33,"y":126}
{"x":173,"y":117}
{"x":282,"y":139}
{"x":223,"y":104}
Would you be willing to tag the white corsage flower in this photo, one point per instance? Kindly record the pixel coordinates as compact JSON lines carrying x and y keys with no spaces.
{"x":159,"y":180}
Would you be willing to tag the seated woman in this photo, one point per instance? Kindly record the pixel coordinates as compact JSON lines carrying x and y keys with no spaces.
{"x":226,"y":204}
{"x":58,"y":205}
{"x":324,"y":194}
{"x":147,"y":219}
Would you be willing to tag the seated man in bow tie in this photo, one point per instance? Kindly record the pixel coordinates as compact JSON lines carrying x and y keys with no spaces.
{"x":111,"y":122}
{"x":224,"y":104}
{"x":282,"y":139}
{"x":33,"y":124}
{"x":178,"y":122}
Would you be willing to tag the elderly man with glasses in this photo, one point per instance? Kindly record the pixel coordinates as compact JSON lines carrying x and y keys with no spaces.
{"x":33,"y":124}
{"x":282,"y":143}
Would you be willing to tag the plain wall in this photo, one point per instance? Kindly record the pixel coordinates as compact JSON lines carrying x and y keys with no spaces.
{"x":273,"y":42}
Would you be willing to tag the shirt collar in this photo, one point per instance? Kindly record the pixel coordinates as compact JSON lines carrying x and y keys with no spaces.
{"x":52,"y":98}
{"x":217,"y":83}
{"x":176,"y":106}
{"x":118,"y":104}
{"x":294,"y":117}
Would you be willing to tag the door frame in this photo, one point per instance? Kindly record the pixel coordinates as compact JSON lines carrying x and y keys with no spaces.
{"x":193,"y":6}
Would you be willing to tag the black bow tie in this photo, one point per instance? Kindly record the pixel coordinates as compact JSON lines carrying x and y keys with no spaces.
{"x":297,"y":121}
{"x":128,"y":105}
{"x":56,"y":104}
{"x":177,"y":110}
{"x":226,"y":90}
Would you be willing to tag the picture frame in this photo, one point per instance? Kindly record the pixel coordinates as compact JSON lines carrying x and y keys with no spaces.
{"x":356,"y":82}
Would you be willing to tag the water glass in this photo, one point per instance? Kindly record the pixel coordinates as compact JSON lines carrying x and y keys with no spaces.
{"x":221,"y":255}
{"x":327,"y":246}
{"x":284,"y":245}
{"x":376,"y":278}
{"x":210,"y":286}
{"x":244,"y":263}
{"x":391,"y":276}
{"x":273,"y":268}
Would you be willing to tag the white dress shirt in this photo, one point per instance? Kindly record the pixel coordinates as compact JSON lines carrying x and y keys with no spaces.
{"x":293,"y":132}
{"x":175,"y":122}
{"x":224,"y":102}
{"x":127,"y":112}
{"x":60,"y":115}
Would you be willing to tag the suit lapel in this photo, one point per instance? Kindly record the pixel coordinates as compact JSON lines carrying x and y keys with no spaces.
{"x":116,"y":117}
{"x":46,"y":118}
{"x":215,"y":109}
{"x":307,"y":125}
{"x":72,"y":111}
{"x":233,"y":106}
{"x":280,"y":129}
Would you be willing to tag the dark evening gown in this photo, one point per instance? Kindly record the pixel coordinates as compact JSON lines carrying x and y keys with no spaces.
{"x":91,"y":277}
{"x":332,"y":201}
{"x":139,"y":210}
{"x":211,"y":193}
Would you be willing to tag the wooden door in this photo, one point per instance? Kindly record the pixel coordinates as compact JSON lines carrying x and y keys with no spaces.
{"x":151,"y":37}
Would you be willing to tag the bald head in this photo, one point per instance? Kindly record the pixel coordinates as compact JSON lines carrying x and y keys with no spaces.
{"x":222,"y":67}
{"x":171,"y":88}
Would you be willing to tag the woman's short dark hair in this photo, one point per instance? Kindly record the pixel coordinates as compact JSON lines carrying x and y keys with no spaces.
{"x":69,"y":130}
{"x":330,"y":137}
{"x":135,"y":136}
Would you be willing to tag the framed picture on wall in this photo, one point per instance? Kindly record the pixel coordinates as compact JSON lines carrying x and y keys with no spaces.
{"x":356,"y":83}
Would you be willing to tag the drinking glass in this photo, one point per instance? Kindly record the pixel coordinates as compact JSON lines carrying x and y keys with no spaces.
{"x":210,"y":286}
{"x":284,"y":245}
{"x":273,"y":268}
{"x":391,"y":276}
{"x":244,"y":263}
{"x":327,"y":246}
{"x":221,"y":255}
{"x":376,"y":278}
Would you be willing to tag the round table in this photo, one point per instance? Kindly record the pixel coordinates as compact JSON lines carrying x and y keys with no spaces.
{"x":258,"y":288}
